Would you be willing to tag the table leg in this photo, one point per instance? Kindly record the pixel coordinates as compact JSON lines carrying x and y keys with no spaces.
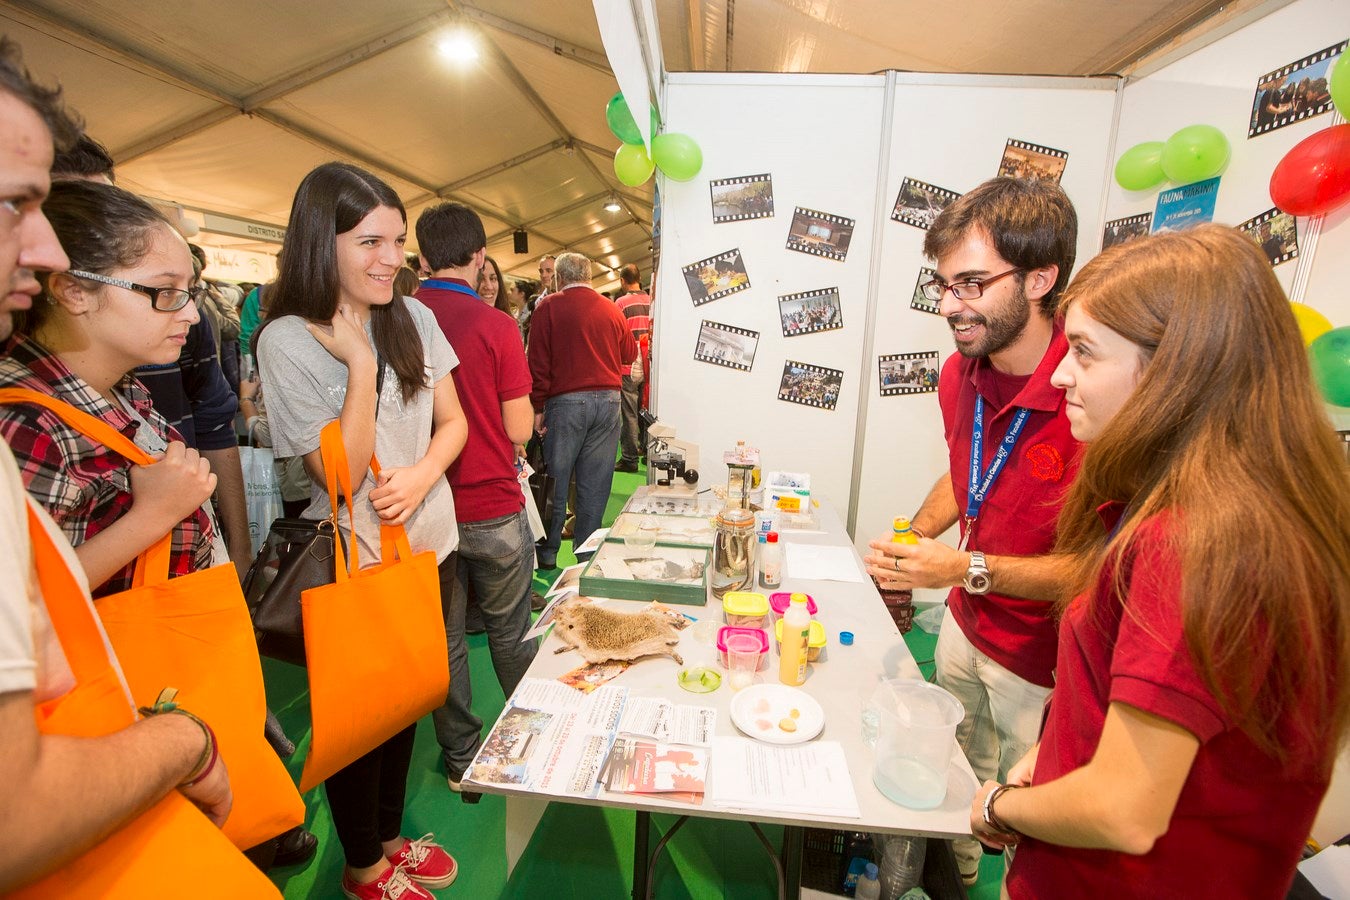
{"x":642,"y":825}
{"x":793,"y":838}
{"x":522,"y":817}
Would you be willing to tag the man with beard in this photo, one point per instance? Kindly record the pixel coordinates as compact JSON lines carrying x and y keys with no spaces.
{"x":1004,"y":252}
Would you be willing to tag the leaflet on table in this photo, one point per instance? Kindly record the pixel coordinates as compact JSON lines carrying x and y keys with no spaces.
{"x":675,"y":773}
{"x":662,"y":720}
{"x":545,"y":620}
{"x":810,"y":779}
{"x":551,"y":738}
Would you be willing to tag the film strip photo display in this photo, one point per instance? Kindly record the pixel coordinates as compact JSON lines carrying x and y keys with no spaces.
{"x":919,"y":301}
{"x":908,"y":373}
{"x":1024,"y":160}
{"x":746,"y":197}
{"x":820,"y":234}
{"x":1275,"y":232}
{"x":715,"y":277}
{"x":726,"y":345}
{"x":919,"y":203}
{"x":1294,"y":92}
{"x":810,"y":311}
{"x":1118,"y":231}
{"x":810,"y":385}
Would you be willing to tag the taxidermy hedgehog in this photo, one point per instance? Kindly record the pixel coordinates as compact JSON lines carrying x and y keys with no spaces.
{"x":602,"y":635}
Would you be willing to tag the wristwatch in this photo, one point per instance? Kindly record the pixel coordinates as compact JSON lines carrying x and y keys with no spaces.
{"x":977,"y":580}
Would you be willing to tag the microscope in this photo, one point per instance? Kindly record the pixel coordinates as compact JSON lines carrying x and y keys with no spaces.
{"x":672,"y":464}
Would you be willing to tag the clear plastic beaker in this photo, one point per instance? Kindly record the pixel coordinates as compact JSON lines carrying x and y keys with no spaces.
{"x":916,"y":727}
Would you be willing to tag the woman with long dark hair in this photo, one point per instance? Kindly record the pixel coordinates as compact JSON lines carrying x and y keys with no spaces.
{"x":340,"y":343}
{"x":1203,"y":679}
{"x":492,"y":287}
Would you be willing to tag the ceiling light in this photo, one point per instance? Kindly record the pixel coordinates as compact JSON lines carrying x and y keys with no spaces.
{"x":459,"y":47}
{"x":612,"y":205}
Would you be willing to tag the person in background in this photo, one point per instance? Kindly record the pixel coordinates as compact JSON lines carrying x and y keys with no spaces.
{"x":1004,"y":252}
{"x":636,"y":306}
{"x":340,"y":345}
{"x":1203,"y":680}
{"x":61,"y":796}
{"x":492,"y":287}
{"x":547,"y":276}
{"x":220,"y":305}
{"x":88,"y":160}
{"x":580,"y":346}
{"x":251,"y":313}
{"x":496,"y":548}
{"x":406,"y":282}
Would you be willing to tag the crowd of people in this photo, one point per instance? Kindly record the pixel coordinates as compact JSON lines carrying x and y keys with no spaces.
{"x":1148,"y":619}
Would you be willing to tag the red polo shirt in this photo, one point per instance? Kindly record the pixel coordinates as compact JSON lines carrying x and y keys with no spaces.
{"x":491,"y":371}
{"x":1241,"y":819}
{"x":1019,"y":512}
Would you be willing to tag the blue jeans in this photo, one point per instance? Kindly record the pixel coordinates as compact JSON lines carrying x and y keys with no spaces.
{"x":497,"y":556}
{"x":581,"y":439}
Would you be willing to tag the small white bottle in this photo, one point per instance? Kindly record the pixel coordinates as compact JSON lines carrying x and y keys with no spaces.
{"x":771,"y":562}
{"x":869,"y":887}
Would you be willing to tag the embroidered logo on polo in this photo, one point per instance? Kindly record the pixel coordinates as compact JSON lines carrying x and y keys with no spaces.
{"x":1044,"y":462}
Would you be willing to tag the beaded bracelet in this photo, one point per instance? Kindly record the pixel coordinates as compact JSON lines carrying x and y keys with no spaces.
{"x":165,"y":705}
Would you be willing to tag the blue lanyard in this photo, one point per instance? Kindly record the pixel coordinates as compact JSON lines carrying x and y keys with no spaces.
{"x":982,"y":482}
{"x":451,"y":286}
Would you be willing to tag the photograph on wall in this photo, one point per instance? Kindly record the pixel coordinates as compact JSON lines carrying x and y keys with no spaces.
{"x":919,"y":203}
{"x":726,"y":345}
{"x":1024,"y":160}
{"x":810,"y":385}
{"x":1275,"y":232}
{"x":1118,"y":231}
{"x":716,"y":276}
{"x":1294,"y":92}
{"x":820,"y":234}
{"x":1182,"y":207}
{"x":908,"y":373}
{"x":919,"y":301}
{"x":810,"y":311}
{"x":747,"y":197}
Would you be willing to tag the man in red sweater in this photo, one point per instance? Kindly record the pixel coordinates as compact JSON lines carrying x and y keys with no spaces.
{"x":580,"y":348}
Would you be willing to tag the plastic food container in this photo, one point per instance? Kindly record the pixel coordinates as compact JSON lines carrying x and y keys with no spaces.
{"x":815,"y":641}
{"x":746,"y":609}
{"x":778,"y":603}
{"x":727,"y":631}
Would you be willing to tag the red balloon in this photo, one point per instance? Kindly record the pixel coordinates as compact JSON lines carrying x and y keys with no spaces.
{"x":1314,"y":177}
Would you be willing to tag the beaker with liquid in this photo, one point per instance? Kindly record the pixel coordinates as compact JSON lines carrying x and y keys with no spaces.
{"x":916,"y":731}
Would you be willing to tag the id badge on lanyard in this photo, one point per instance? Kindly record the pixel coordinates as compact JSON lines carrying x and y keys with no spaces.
{"x":981,"y":480}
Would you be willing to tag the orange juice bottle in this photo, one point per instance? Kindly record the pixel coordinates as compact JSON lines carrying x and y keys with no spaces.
{"x":793,"y":649}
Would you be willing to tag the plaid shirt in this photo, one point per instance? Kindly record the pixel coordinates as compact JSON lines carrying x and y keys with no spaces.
{"x":82,"y":484}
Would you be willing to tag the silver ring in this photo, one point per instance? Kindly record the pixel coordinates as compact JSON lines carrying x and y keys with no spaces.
{"x":896,"y":560}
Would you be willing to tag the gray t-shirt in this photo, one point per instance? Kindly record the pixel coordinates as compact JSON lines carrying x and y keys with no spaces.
{"x":305,"y":388}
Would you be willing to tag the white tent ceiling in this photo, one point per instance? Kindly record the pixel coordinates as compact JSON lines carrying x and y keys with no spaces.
{"x":223,"y":107}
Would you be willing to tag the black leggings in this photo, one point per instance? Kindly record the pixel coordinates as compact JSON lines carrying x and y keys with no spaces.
{"x":367,"y":799}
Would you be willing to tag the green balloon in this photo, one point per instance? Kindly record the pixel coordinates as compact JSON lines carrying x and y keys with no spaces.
{"x":678,"y":155}
{"x":620,"y":120}
{"x":1340,"y":84}
{"x":1140,"y":167}
{"x":1329,"y":357}
{"x":632,"y":165}
{"x":1195,"y":153}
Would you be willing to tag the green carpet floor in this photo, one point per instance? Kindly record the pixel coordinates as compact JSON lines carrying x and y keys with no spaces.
{"x":577,"y":851}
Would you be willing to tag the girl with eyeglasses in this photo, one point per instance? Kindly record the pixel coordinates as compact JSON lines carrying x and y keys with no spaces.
{"x":125,"y":302}
{"x":1203,"y":678}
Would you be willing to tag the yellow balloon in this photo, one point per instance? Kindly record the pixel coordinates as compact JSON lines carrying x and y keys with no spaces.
{"x":1311,"y":323}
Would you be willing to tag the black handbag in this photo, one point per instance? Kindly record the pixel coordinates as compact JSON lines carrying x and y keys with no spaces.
{"x":541,"y":483}
{"x":296,"y":556}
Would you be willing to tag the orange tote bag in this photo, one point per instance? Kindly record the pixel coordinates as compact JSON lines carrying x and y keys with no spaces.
{"x":374,"y":639}
{"x":193,"y":633}
{"x":173,"y":843}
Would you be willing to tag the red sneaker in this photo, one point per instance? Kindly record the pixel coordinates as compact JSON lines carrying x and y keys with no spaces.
{"x":426,"y":862}
{"x":393,"y":884}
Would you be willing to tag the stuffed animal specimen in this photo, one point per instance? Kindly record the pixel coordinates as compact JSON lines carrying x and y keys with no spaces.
{"x":601,"y":635}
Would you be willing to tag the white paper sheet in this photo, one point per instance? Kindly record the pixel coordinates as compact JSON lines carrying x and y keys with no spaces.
{"x":808,"y":779}
{"x":814,"y":562}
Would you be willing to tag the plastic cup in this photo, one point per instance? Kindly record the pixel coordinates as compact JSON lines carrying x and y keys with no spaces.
{"x":916,"y":728}
{"x":743,"y":653}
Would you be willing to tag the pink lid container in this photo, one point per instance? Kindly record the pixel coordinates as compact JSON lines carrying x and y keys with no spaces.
{"x":778,"y":603}
{"x":758,"y":634}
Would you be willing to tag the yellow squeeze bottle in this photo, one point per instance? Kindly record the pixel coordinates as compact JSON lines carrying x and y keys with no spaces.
{"x":796,"y":633}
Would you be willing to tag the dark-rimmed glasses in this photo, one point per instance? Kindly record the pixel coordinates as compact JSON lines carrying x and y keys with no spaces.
{"x":970,"y":289}
{"x":162,"y":299}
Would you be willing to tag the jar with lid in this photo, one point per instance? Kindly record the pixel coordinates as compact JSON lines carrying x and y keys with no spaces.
{"x":733,"y":562}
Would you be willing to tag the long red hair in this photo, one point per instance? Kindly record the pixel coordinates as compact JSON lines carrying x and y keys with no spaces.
{"x":1225,"y":430}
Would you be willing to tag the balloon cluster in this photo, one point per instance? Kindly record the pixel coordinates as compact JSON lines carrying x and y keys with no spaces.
{"x":1314,"y":177}
{"x":1193,"y":154}
{"x":677,"y":155}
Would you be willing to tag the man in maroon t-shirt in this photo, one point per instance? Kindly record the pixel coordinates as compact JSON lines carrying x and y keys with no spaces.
{"x":580,"y":347}
{"x":636,"y":306}
{"x":1004,"y":252}
{"x":496,"y":549}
